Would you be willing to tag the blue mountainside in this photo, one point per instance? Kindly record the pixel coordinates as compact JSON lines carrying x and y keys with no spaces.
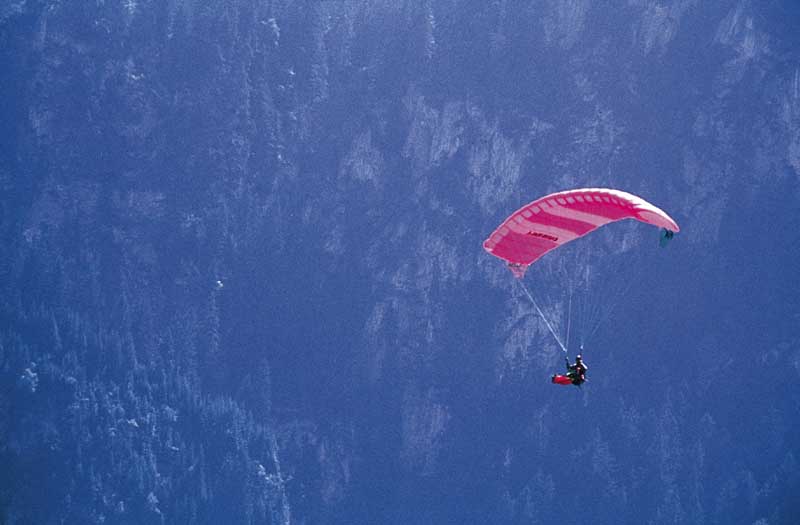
{"x":242,"y":276}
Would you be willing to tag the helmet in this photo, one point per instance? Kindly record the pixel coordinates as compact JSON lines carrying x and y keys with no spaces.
{"x":578,"y":357}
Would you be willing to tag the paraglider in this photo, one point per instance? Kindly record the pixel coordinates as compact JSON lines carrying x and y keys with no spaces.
{"x":557,"y":219}
{"x":666,"y":236}
{"x":554,"y":220}
{"x":576,"y":373}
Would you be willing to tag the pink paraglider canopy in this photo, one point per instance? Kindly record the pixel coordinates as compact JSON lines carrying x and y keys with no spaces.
{"x":556,"y":219}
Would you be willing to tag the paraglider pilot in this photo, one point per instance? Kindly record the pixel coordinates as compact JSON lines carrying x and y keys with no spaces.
{"x":576,"y":373}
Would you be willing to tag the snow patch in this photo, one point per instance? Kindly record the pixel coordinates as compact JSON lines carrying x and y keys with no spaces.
{"x":564,"y":24}
{"x":424,"y":423}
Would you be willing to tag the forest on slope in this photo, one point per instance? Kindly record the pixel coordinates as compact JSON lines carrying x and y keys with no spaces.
{"x":241,"y":275}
